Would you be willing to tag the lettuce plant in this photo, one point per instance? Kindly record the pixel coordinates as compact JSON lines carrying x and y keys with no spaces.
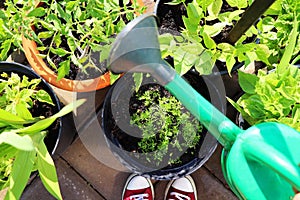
{"x":22,"y":147}
{"x":273,"y":96}
{"x":275,"y":28}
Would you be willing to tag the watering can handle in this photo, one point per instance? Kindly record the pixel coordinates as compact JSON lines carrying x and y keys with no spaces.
{"x":224,"y":130}
{"x":275,"y":160}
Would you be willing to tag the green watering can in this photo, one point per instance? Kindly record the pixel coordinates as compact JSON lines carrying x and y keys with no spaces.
{"x":258,"y":163}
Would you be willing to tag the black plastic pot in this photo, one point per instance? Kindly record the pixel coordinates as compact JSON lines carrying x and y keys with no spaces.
{"x":53,"y":137}
{"x":115,"y":113}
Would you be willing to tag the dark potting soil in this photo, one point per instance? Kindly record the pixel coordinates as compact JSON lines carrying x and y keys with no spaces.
{"x":2,"y":4}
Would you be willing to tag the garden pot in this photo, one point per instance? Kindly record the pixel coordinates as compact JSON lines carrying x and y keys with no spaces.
{"x":116,"y":125}
{"x":40,"y":67}
{"x":54,"y":136}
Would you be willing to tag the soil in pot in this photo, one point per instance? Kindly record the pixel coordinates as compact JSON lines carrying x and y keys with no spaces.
{"x":2,"y":4}
{"x":124,"y":137}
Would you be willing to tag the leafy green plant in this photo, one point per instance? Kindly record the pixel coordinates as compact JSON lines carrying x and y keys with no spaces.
{"x":165,"y":125}
{"x":275,"y":27}
{"x":85,"y":25}
{"x":22,"y":147}
{"x":13,"y":24}
{"x":201,"y":45}
{"x":273,"y":96}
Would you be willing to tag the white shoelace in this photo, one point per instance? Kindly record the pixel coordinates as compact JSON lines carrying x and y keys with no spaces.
{"x":139,"y":197}
{"x":179,"y":196}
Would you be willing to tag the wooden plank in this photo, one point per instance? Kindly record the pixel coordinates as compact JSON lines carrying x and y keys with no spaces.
{"x":105,"y":179}
{"x":73,"y":186}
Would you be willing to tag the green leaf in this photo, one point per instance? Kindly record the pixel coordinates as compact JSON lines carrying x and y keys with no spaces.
{"x":43,"y":96}
{"x":5,"y":46}
{"x":266,"y":24}
{"x":41,"y":49}
{"x":213,"y":30}
{"x":247,"y":81}
{"x":51,"y":63}
{"x":23,"y":143}
{"x":59,"y":51}
{"x":47,"y":171}
{"x":204,"y":3}
{"x":37,"y":12}
{"x":57,"y":40}
{"x":114,"y":77}
{"x":45,"y":34}
{"x":71,"y":44}
{"x":238,"y":3}
{"x":205,"y":63}
{"x":262,"y":52}
{"x":215,"y":8}
{"x":63,"y":70}
{"x":20,"y":174}
{"x":209,"y":43}
{"x":274,"y":9}
{"x":288,"y":53}
{"x":194,"y":12}
{"x":10,"y":118}
{"x":138,"y":79}
{"x":230,"y":61}
{"x":23,"y":112}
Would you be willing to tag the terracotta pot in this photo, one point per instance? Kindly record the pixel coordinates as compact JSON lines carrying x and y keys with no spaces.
{"x":39,"y":66}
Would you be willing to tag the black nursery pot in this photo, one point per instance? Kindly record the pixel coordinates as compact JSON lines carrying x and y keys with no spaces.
{"x":116,"y":125}
{"x":54,"y":131}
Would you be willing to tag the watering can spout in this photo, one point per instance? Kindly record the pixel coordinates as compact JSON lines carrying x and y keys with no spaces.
{"x":137,"y":50}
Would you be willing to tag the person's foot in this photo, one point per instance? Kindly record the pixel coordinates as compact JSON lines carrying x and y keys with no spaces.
{"x":138,"y":188}
{"x":181,"y":189}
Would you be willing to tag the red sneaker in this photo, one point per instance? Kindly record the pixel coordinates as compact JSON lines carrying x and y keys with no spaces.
{"x":138,"y":188}
{"x":181,"y":189}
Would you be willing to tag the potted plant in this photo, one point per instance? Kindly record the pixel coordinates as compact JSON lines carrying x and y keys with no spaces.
{"x":272,"y":95}
{"x":204,"y":28}
{"x":71,"y":40}
{"x":201,"y":43}
{"x":150,"y":131}
{"x":30,"y":129}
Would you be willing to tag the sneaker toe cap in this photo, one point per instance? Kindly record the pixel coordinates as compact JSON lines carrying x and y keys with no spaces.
{"x":138,"y":182}
{"x":183,"y":184}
